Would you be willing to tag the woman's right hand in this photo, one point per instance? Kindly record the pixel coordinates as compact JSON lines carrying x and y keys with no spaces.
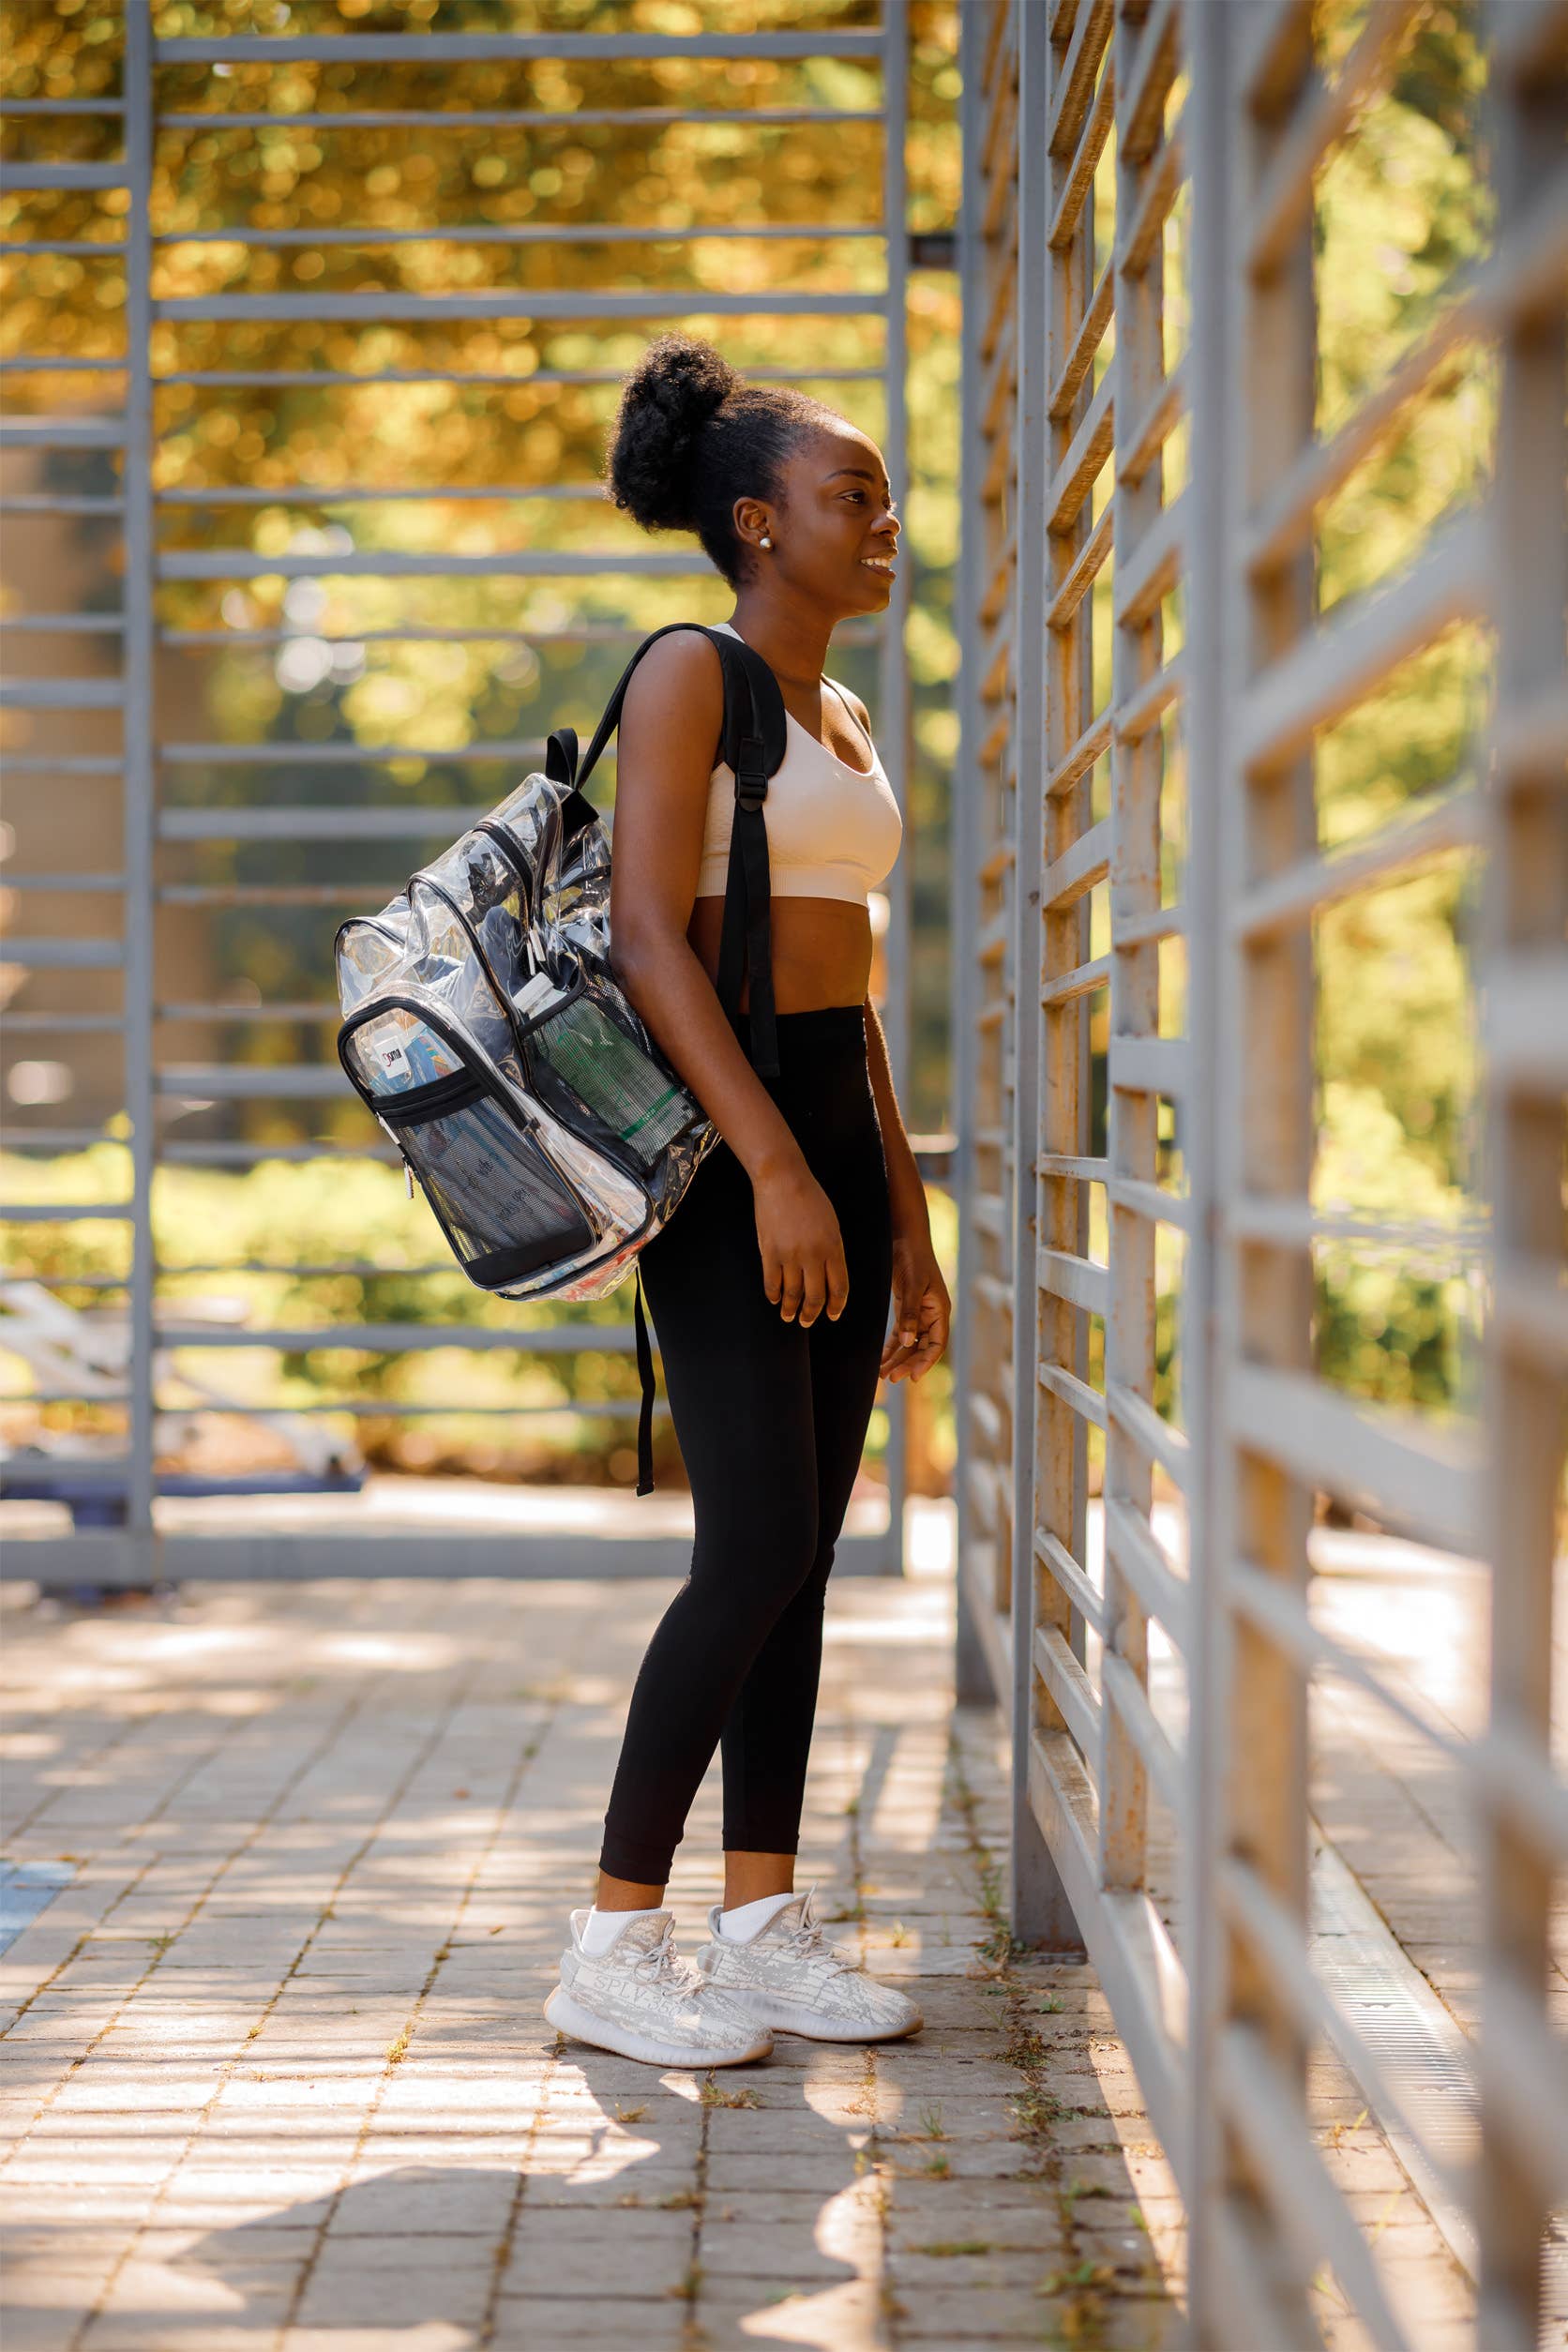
{"x":803,"y":1249}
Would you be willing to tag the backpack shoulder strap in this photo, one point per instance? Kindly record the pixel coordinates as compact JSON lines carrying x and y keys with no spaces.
{"x":753,"y":742}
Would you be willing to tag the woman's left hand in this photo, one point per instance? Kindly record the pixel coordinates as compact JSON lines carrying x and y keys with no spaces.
{"x":922,"y":1309}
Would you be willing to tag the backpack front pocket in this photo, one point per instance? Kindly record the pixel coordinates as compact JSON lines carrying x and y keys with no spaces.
{"x":499,"y":1198}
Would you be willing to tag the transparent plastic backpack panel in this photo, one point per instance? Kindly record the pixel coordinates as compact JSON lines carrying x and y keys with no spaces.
{"x":368,"y":948}
{"x":480,"y":880}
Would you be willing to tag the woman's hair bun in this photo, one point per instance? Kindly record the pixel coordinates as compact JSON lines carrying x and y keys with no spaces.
{"x":677,"y":385}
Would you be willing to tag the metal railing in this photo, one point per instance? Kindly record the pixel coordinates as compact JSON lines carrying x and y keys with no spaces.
{"x":1143,"y":865}
{"x":167,"y":773}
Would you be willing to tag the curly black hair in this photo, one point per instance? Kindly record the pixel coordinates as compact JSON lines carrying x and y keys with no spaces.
{"x":691,"y":436}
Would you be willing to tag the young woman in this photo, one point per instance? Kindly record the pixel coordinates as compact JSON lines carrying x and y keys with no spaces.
{"x":769,"y":1287}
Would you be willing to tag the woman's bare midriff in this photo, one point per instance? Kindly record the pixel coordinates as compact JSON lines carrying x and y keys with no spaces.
{"x":822,"y":951}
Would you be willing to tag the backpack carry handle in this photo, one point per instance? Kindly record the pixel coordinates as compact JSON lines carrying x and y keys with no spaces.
{"x":753,"y":743}
{"x":561,"y":756}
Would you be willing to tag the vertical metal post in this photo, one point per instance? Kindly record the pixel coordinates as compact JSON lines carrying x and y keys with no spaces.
{"x":1265,"y":1113}
{"x":1526,"y":993}
{"x":138,"y":782}
{"x":1041,"y":1913}
{"x":1211,"y":532}
{"x":971,"y":1675}
{"x":1132,"y":1113}
{"x":894,"y":694}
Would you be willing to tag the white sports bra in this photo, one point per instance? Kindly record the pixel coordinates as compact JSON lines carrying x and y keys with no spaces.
{"x":834,"y":831}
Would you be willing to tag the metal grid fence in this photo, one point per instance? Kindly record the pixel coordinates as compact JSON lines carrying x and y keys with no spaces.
{"x":173,"y":787}
{"x":1143,"y":863}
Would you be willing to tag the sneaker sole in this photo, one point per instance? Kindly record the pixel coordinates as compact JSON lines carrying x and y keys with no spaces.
{"x":783,"y":2017}
{"x":568,"y":2016}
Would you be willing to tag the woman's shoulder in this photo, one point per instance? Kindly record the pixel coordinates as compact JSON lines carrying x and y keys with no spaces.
{"x":677,"y":688}
{"x":681,"y":662}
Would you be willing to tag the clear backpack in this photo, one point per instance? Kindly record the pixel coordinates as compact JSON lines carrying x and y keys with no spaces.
{"x":485,"y":1029}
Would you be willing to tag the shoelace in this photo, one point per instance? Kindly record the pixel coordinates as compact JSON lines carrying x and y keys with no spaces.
{"x":808,"y":1942}
{"x":663,"y":1965}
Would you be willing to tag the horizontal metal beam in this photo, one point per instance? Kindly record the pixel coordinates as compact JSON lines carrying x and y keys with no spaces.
{"x":475,"y":49}
{"x":289,"y":1557}
{"x":251,"y":1081}
{"x":278,"y":824}
{"x":519,"y":232}
{"x":1362,"y":641}
{"x":1392,"y":1464}
{"x":240,"y":563}
{"x":518,"y":117}
{"x":402,"y":1338}
{"x":525,"y":303}
{"x":63,"y":955}
{"x":1293,"y":897}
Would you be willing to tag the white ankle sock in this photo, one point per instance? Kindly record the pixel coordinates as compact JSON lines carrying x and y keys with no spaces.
{"x":739,"y":1925}
{"x":600,"y":1928}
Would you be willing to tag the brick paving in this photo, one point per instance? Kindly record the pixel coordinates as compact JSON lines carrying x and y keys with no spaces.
{"x":276,"y":2073}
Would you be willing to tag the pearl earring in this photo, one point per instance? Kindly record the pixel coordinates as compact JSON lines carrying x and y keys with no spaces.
{"x":765,"y":541}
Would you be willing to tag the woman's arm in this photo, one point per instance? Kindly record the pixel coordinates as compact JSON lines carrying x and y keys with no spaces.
{"x":922,"y":1309}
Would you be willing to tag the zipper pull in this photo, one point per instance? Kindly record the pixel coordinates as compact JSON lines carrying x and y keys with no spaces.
{"x":408,"y":1178}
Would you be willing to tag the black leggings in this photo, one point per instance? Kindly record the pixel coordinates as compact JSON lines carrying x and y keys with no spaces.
{"x":772,"y":1422}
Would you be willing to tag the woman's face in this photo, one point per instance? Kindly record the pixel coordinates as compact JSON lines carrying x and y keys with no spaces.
{"x":835,"y":536}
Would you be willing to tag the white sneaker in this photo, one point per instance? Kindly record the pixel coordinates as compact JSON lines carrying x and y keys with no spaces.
{"x":789,"y":1977}
{"x":644,"y":2000}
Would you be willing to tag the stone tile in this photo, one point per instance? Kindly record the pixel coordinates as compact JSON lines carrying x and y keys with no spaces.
{"x":531,"y":2323}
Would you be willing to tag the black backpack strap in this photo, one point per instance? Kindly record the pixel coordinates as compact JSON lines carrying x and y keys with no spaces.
{"x":747,"y":939}
{"x":754,"y":740}
{"x":645,"y":1378}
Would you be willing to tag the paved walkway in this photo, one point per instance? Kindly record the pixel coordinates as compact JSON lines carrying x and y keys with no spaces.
{"x":277,"y":2075}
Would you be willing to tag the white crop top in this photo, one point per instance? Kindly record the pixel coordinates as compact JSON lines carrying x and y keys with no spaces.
{"x":834,"y":831}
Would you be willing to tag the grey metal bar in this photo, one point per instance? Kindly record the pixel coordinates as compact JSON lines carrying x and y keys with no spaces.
{"x":474,"y":49}
{"x":400,"y":1338}
{"x":357,"y":494}
{"x":252,"y":1081}
{"x":1041,"y":1913}
{"x":63,"y":106}
{"x":316,"y":825}
{"x":240,"y":563}
{"x":35,"y":1024}
{"x":64,"y":954}
{"x":515,"y":233}
{"x":506,"y":376}
{"x":139,"y":785}
{"x":521,"y":118}
{"x":39,"y":502}
{"x":105,"y":623}
{"x":54,"y":1212}
{"x":293,"y":1556}
{"x":21,"y":250}
{"x":400,"y":309}
{"x":351,"y":755}
{"x":1198,"y":2160}
{"x":59,"y":178}
{"x":892,"y":666}
{"x":60,"y":694}
{"x":53,"y":763}
{"x":974,"y":1678}
{"x":60,"y":432}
